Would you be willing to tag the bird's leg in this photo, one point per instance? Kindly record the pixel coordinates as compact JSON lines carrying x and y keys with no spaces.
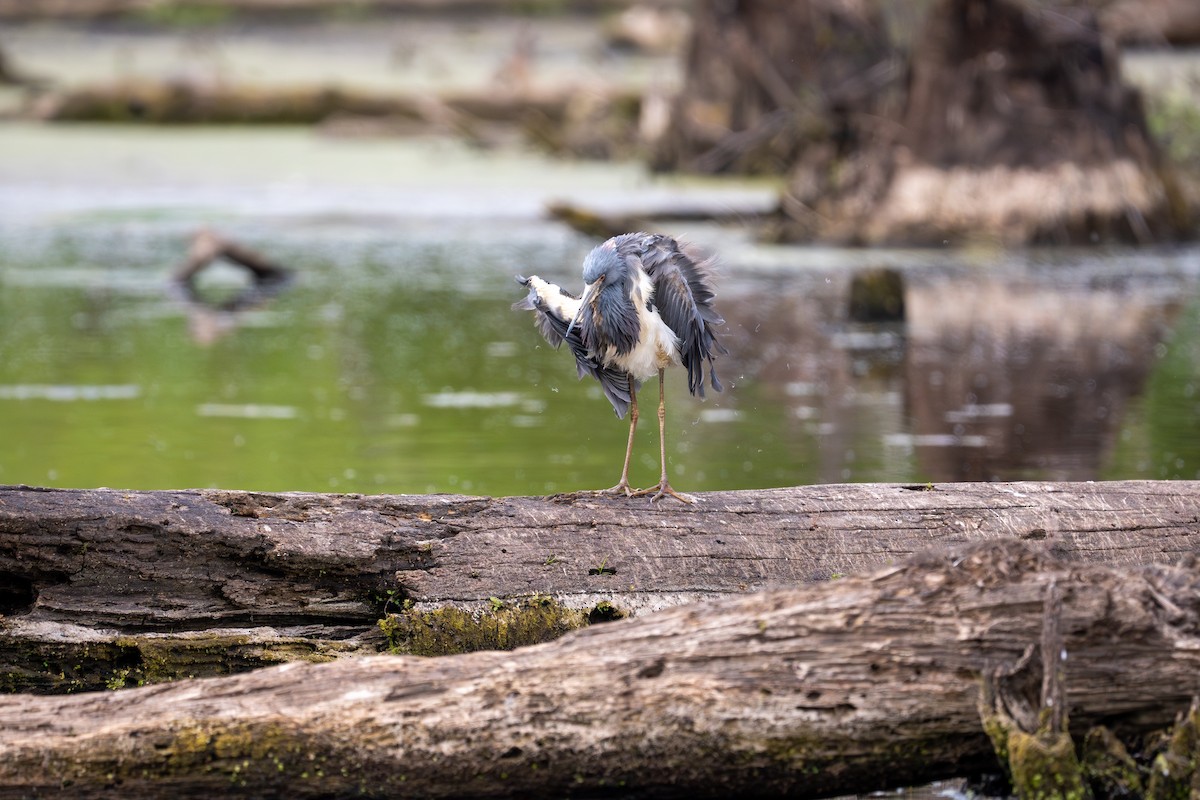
{"x":664,"y":486}
{"x":623,"y":484}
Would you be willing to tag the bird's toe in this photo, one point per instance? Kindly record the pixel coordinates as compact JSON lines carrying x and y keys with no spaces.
{"x":664,"y":490}
{"x":621,"y":488}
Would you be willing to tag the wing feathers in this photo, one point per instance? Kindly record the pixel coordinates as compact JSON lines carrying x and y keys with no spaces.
{"x":684,"y":298}
{"x":554,"y":309}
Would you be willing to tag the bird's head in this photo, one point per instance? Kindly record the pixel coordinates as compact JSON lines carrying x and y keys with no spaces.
{"x":604,"y":267}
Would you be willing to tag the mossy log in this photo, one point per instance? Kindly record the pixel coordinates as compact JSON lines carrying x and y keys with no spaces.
{"x":181,"y":101}
{"x":110,"y":588}
{"x":87,"y":9}
{"x":859,"y":684}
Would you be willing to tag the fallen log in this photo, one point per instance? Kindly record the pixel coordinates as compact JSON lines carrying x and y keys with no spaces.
{"x":865,"y":683}
{"x":93,"y":9}
{"x":191,"y":102}
{"x":110,"y":588}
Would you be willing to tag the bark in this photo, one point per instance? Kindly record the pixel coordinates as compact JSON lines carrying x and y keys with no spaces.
{"x":847,"y":686}
{"x":105,"y":587}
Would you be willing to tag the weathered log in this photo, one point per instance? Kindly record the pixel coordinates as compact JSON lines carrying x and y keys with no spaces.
{"x":87,"y":9}
{"x":854,"y":685}
{"x":183,"y":101}
{"x":104,"y":587}
{"x":650,"y":216}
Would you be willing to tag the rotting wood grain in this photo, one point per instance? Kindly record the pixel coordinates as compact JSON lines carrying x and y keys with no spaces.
{"x":847,"y":686}
{"x":282,"y":574}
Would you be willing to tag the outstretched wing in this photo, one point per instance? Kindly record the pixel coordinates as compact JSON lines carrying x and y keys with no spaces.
{"x":683,"y":296}
{"x":554,"y":308}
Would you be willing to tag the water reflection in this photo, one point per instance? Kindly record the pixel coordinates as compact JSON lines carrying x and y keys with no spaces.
{"x":394,"y":365}
{"x":213,"y":314}
{"x":1025,"y":378}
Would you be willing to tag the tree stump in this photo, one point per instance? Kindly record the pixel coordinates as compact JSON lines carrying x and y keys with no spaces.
{"x":766,"y":79}
{"x":1015,"y":128}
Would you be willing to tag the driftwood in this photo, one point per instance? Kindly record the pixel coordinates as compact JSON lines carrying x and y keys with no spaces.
{"x":853,"y":685}
{"x":104,"y":587}
{"x":1002,"y":120}
{"x":1152,"y":22}
{"x":207,"y":247}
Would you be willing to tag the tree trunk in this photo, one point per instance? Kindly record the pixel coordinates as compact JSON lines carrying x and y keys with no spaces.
{"x":863,"y":683}
{"x":766,"y":79}
{"x":108,"y":588}
{"x":1008,"y":122}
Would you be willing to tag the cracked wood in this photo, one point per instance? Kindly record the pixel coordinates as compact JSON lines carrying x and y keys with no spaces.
{"x":316,"y":571}
{"x":848,"y":686}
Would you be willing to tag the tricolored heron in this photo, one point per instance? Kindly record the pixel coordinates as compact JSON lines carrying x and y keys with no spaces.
{"x":647,"y":304}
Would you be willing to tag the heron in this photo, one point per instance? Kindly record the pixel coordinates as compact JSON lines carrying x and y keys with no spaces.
{"x":647,"y":305}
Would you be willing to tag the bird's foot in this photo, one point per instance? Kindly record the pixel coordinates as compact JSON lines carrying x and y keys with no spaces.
{"x":621,"y":488}
{"x":663,"y":489}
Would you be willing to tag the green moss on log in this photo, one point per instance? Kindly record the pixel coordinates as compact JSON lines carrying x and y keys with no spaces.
{"x":1107,"y":766}
{"x":61,"y":667}
{"x":218,"y":755}
{"x":1044,"y":766}
{"x":1175,"y":769}
{"x":500,"y":625}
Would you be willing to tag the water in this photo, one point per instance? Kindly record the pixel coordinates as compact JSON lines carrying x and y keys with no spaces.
{"x":394,"y":364}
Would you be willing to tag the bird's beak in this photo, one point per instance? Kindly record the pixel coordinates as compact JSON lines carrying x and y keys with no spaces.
{"x":584,"y":302}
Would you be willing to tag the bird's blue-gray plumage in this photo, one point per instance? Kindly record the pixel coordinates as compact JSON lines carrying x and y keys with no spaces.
{"x":647,"y":304}
{"x":608,"y":329}
{"x":684,"y":298}
{"x":614,"y":382}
